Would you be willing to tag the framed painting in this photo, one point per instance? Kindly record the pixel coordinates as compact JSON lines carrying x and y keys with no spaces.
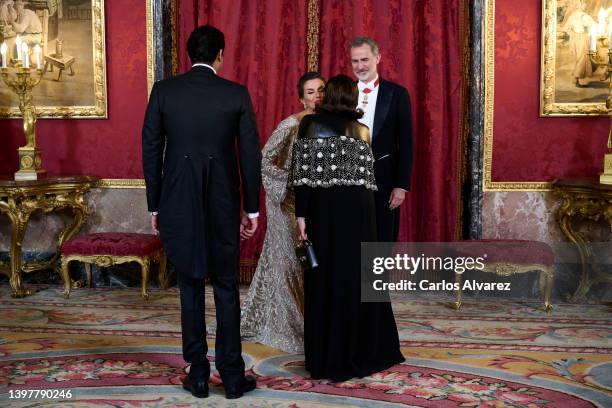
{"x":71,"y":37}
{"x":574,"y":64}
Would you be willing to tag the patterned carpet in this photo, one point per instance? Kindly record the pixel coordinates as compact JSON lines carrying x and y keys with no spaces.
{"x":111,"y":349}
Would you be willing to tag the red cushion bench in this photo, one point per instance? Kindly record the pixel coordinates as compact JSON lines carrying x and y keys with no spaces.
{"x":109,"y":248}
{"x":506,"y":257}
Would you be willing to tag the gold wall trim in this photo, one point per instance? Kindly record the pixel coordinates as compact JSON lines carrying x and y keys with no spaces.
{"x":312,"y":35}
{"x":150,"y":47}
{"x":120,"y":183}
{"x":489,"y":63}
{"x":100,"y":108}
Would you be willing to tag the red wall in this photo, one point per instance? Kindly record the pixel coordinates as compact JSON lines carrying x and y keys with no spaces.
{"x":108,"y":148}
{"x":527,"y":147}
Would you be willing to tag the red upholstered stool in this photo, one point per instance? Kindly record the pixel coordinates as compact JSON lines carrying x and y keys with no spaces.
{"x":110,"y":248}
{"x":507,"y":257}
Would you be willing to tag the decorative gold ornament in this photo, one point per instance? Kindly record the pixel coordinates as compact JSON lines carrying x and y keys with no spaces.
{"x":312,"y":36}
{"x":22,"y":82}
{"x":587,"y":200}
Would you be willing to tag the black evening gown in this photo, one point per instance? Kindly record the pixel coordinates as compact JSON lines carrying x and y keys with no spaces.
{"x":343,"y":337}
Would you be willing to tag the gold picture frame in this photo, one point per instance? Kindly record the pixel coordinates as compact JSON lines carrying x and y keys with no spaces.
{"x":80,"y":93}
{"x":571,"y":84}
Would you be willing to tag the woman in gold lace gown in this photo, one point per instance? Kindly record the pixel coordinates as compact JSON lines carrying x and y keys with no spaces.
{"x":272,"y":310}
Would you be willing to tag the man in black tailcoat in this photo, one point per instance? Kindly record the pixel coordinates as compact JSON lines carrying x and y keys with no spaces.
{"x":387,"y":113}
{"x":199,"y":132}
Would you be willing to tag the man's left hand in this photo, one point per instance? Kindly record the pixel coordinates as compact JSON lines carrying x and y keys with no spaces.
{"x":248,"y":226}
{"x":397,"y":198}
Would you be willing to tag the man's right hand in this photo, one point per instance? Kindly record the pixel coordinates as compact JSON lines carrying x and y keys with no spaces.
{"x":248,"y":226}
{"x":154,"y":224}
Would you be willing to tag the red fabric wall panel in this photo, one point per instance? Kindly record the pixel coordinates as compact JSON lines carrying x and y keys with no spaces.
{"x":266,"y":51}
{"x":420,"y":49}
{"x":527,"y":147}
{"x":108,"y":148}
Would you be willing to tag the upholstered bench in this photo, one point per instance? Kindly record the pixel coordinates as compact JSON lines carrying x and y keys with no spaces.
{"x":109,"y":248}
{"x":509,"y":257}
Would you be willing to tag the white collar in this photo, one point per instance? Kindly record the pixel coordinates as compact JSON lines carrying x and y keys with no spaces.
{"x":201,"y":64}
{"x":363,"y":85}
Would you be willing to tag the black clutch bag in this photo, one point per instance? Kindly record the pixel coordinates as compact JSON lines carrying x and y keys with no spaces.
{"x":306,"y":255}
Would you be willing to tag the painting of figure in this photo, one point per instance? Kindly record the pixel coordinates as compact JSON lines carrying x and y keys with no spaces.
{"x":575,"y":41}
{"x":65,"y":39}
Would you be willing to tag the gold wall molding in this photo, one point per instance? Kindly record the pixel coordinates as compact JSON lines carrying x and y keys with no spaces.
{"x":100,"y":108}
{"x":489,"y":63}
{"x":312,"y":35}
{"x":150,"y":47}
{"x":120,"y":183}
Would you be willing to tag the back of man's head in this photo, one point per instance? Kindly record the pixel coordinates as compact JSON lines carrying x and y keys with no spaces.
{"x":204,"y":44}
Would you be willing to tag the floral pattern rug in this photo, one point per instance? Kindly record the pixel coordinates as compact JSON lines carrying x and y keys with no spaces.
{"x":109,"y":348}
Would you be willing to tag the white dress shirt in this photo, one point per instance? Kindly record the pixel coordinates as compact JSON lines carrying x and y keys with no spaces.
{"x":370,"y":108}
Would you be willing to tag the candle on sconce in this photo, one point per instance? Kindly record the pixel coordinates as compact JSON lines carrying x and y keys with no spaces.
{"x":3,"y":52}
{"x":26,"y":56}
{"x":592,"y":40}
{"x":37,"y":52}
{"x":18,"y":45}
{"x":601,"y":21}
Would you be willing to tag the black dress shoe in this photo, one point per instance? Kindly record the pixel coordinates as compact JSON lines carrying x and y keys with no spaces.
{"x":197,"y":388}
{"x":247,"y":384}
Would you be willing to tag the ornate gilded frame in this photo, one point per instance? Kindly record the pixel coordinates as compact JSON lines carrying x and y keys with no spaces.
{"x":548,"y":106}
{"x":489,"y":66}
{"x":97,"y":111}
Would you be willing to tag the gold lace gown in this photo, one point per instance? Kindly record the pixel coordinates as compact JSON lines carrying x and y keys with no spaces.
{"x":272,"y":313}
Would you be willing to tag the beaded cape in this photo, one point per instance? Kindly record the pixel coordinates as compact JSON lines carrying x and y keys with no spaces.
{"x":332,"y":161}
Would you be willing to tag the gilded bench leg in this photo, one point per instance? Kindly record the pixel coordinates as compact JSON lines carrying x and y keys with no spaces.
{"x":66,"y":277}
{"x":145,"y":265}
{"x":458,"y":292}
{"x":546,"y":284}
{"x":163,"y":279}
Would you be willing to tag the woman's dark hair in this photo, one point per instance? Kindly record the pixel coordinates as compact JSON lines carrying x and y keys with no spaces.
{"x":308,"y":76}
{"x":204,"y":44}
{"x":341,"y":96}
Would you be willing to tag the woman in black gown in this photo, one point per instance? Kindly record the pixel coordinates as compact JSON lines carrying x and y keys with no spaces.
{"x":333,"y":177}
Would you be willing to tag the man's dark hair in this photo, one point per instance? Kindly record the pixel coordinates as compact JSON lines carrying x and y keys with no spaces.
{"x":308,"y":76}
{"x":341,"y":96}
{"x":204,"y":44}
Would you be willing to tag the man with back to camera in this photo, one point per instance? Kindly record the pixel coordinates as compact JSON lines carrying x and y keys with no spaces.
{"x":193,"y":194}
{"x":387,"y":113}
